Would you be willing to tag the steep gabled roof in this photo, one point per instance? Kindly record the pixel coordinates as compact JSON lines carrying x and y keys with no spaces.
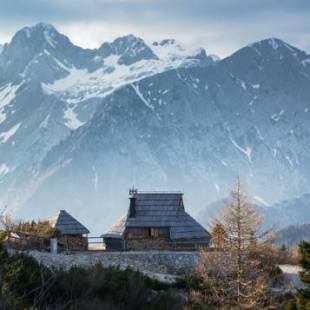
{"x":67,"y":224}
{"x":160,"y":210}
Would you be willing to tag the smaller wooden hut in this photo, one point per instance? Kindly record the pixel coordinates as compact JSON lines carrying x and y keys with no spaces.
{"x":72,"y":234}
{"x":22,"y":240}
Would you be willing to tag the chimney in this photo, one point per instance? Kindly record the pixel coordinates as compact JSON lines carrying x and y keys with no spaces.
{"x":133,"y":197}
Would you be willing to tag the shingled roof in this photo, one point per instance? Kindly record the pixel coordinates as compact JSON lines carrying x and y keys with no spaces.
{"x":117,"y":229}
{"x":67,"y":224}
{"x":160,"y":210}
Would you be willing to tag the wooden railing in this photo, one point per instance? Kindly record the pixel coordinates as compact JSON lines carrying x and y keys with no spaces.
{"x":33,"y":242}
{"x":163,"y":245}
{"x":28,"y":243}
{"x":97,"y":244}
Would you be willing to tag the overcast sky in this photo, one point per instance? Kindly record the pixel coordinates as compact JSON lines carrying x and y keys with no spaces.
{"x":220,"y":26}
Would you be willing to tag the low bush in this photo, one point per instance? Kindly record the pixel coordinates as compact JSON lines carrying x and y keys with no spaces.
{"x":192,"y":282}
{"x":26,"y":284}
{"x":40,"y":228}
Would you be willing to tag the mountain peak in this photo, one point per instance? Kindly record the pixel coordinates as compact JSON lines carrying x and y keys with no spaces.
{"x":33,"y":31}
{"x":38,"y":50}
{"x":43,"y":26}
{"x":268,"y":54}
{"x":274,"y":45}
{"x":38,"y":37}
{"x":130,"y":48}
{"x":129,"y":38}
{"x":164,"y":42}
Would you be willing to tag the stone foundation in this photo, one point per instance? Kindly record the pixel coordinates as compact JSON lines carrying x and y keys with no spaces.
{"x":161,"y":262}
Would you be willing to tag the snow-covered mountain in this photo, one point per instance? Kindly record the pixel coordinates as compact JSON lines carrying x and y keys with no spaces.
{"x":80,"y":126}
{"x":49,"y":87}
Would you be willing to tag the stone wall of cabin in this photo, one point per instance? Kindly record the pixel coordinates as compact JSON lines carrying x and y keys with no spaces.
{"x":147,"y":244}
{"x":72,"y":243}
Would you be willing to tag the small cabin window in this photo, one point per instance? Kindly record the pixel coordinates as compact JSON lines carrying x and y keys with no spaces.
{"x":145,"y":233}
{"x":129,"y":236}
{"x":154,"y":233}
{"x":164,"y":232}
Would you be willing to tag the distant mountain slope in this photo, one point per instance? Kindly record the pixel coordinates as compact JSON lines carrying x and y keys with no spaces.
{"x":292,"y":235}
{"x":282,"y":214}
{"x":293,"y":211}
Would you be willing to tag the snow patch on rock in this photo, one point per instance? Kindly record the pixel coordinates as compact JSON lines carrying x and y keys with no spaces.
{"x":140,"y":95}
{"x":71,"y":118}
{"x":6,"y":135}
{"x":4,"y":169}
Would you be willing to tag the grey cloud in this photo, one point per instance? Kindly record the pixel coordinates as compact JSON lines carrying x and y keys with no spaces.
{"x":220,"y":25}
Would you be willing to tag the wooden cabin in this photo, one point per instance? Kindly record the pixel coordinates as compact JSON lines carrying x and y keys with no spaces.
{"x":72,"y":234}
{"x":156,"y":221}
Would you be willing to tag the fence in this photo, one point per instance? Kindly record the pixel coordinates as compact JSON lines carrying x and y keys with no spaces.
{"x":190,"y":246}
{"x":33,"y":242}
{"x":24,"y":242}
{"x":27,"y":242}
{"x":158,"y":245}
{"x":95,"y":244}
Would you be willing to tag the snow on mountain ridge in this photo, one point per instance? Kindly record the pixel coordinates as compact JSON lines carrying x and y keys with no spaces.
{"x":75,"y":75}
{"x":48,"y":45}
{"x":114,"y":72}
{"x":170,"y":50}
{"x":80,"y":84}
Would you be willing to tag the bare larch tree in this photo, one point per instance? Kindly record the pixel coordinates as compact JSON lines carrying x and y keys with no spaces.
{"x":242,"y":270}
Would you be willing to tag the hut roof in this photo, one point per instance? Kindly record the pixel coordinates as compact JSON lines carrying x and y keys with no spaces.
{"x":67,"y":224}
{"x":160,"y":210}
{"x":117,"y":229}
